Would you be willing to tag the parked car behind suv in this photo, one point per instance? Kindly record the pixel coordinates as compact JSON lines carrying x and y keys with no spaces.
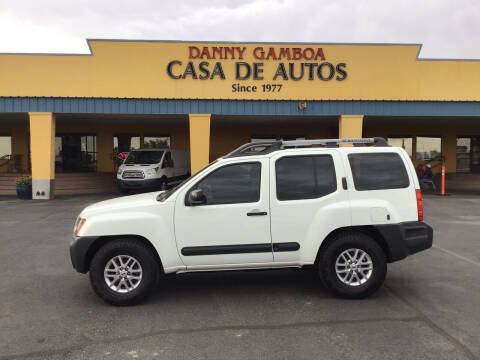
{"x":347,"y":210}
{"x":153,"y":169}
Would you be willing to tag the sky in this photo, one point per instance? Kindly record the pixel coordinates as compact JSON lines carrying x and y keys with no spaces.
{"x":446,"y":28}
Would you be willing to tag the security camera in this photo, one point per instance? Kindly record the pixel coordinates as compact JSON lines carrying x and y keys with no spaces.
{"x":302,"y":105}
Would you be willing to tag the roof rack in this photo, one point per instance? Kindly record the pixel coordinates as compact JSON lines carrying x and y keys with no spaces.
{"x":266,"y":147}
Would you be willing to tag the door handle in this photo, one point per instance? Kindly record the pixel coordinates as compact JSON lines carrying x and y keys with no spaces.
{"x":257,"y":213}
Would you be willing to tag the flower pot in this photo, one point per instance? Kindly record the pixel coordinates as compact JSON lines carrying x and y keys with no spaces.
{"x":24,"y":192}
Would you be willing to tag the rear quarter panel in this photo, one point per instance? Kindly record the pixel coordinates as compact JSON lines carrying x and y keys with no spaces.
{"x":370,"y":207}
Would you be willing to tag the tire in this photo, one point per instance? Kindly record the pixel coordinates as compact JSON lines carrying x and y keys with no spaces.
{"x":124,"y":191}
{"x":148,"y":269}
{"x":336,"y":256}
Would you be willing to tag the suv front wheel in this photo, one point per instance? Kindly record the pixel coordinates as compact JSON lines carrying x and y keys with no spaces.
{"x":352,"y":265}
{"x":124,"y":271}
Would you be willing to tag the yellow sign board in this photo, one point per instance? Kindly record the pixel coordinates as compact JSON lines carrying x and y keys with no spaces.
{"x":274,"y":71}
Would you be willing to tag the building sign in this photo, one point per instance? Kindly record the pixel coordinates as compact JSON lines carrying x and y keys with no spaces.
{"x":240,"y":71}
{"x":291,"y":64}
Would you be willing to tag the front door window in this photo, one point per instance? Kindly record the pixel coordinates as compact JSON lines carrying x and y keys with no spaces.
{"x":232,"y":184}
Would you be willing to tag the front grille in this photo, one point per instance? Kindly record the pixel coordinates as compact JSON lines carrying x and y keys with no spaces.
{"x":133,"y":174}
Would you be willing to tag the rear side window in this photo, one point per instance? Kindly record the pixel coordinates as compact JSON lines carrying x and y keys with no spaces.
{"x":305,"y":177}
{"x":378,"y":171}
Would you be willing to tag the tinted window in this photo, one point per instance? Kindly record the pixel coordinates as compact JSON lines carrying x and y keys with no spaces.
{"x":378,"y":171}
{"x":232,"y":184}
{"x":305,"y":177}
{"x":167,"y":159}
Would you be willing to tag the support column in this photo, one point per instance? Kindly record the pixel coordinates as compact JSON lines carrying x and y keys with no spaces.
{"x":105,"y":152}
{"x":199,"y":141}
{"x":350,"y":126}
{"x":42,"y":148}
{"x":449,"y":151}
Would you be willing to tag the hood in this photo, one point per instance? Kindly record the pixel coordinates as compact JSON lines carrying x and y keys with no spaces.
{"x":123,"y":202}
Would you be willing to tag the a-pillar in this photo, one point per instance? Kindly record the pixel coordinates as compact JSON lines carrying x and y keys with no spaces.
{"x":42,"y":148}
{"x":350,"y":126}
{"x":199,"y":141}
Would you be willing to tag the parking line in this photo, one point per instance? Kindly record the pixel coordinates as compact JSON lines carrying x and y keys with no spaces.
{"x":457,"y":256}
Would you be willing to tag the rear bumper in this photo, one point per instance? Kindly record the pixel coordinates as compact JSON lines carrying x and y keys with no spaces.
{"x":406,"y":238}
{"x":139,"y":184}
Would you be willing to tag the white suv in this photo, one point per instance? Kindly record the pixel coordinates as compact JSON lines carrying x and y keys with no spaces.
{"x":347,"y":210}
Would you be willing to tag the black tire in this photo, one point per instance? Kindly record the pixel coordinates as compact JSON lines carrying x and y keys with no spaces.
{"x":136,"y":249}
{"x":335,"y":247}
{"x":124,"y":191}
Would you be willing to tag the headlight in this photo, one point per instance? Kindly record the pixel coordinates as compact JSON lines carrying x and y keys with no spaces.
{"x":153,"y":171}
{"x":79,"y":225}
{"x":119,"y":172}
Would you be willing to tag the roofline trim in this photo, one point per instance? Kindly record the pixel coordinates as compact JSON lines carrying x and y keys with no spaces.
{"x":90,"y":51}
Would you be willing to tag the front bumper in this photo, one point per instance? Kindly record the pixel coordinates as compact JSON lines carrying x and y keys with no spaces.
{"x":80,"y":251}
{"x":406,"y":238}
{"x":139,"y":184}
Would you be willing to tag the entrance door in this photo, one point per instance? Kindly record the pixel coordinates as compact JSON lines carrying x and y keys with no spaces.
{"x":233,"y":226}
{"x":74,"y":152}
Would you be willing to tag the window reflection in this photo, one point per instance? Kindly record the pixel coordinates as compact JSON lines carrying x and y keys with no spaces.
{"x":156,"y":142}
{"x":5,"y":145}
{"x":403,"y":142}
{"x":429,"y":148}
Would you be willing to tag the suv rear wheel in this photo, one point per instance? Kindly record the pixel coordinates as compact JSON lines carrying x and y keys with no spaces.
{"x":352,"y":265}
{"x":124,"y":271}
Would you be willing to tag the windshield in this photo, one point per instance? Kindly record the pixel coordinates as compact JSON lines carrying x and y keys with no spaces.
{"x":144,"y":157}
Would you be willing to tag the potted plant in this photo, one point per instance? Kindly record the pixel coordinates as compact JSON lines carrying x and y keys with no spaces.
{"x":24,"y":187}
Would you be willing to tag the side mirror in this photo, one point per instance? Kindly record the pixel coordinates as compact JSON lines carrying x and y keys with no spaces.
{"x":167,"y":163}
{"x":197,"y":197}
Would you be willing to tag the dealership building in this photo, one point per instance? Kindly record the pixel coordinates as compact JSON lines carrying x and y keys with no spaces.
{"x":64,"y":118}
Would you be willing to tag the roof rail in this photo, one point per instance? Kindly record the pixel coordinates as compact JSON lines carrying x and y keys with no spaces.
{"x":266,"y":147}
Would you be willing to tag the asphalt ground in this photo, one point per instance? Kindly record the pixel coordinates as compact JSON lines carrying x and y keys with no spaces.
{"x":429,"y":307}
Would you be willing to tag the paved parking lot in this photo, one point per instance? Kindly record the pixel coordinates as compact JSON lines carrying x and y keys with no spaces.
{"x":429,"y":307}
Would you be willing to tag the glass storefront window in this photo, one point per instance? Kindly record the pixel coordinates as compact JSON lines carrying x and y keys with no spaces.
{"x":5,"y":146}
{"x":133,"y":143}
{"x":403,"y":142}
{"x":156,"y":142}
{"x":468,"y":154}
{"x":463,"y":154}
{"x":429,"y":148}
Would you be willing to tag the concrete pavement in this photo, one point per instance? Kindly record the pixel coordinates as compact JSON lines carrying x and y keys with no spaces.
{"x":427,"y":309}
